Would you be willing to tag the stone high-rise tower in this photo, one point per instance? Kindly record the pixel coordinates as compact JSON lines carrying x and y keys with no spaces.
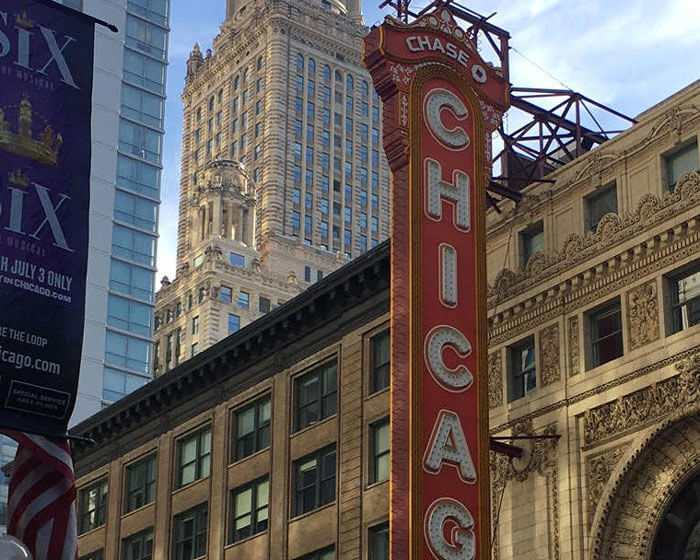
{"x":283,"y":175}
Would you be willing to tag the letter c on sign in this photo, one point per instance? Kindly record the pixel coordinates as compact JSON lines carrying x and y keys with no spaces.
{"x":455,"y":379}
{"x":456,"y":138}
{"x":460,"y":545}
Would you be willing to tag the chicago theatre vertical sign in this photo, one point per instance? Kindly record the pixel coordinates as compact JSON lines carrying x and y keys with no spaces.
{"x":441,"y":102}
{"x":45,"y":106}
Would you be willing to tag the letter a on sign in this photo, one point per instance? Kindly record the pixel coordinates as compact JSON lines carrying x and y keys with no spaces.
{"x":447,"y":443}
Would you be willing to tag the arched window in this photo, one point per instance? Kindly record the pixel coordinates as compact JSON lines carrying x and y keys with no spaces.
{"x":338,"y":77}
{"x":364,"y":87}
{"x":348,"y":82}
{"x":259,"y":64}
{"x":327,"y":73}
{"x":300,"y":62}
{"x":211,"y":103}
{"x":312,"y":66}
{"x":245,"y":75}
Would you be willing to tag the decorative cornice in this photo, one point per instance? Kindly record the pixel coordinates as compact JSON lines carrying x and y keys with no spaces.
{"x":612,"y":231}
{"x":602,"y":388}
{"x":637,"y":410}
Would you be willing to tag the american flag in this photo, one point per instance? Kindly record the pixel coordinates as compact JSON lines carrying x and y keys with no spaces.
{"x":41,"y":498}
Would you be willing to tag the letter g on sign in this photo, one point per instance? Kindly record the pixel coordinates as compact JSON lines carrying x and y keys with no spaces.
{"x":443,"y":513}
{"x":435,"y":101}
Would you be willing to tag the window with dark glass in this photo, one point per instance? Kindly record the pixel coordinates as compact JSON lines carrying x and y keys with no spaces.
{"x":250,"y":509}
{"x":379,"y":356}
{"x":263,"y":304}
{"x":140,"y":484}
{"x":379,"y":456}
{"x":190,"y":533}
{"x":95,"y":555}
{"x":522,"y":369}
{"x":315,"y":395}
{"x":684,"y":295}
{"x":599,"y":204}
{"x":251,"y":428}
{"x":605,"y":331}
{"x":138,"y":546}
{"x":379,"y":542}
{"x":531,"y":241}
{"x":194,"y":456}
{"x":327,"y":553}
{"x":679,"y":163}
{"x":92,"y":506}
{"x":314,"y":480}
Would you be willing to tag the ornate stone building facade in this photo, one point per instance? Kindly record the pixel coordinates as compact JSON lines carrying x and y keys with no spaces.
{"x":283,"y":99}
{"x":273,"y":443}
{"x":595,"y":340}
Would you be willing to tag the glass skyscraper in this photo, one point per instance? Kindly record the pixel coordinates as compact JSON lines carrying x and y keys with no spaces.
{"x":129,"y":330}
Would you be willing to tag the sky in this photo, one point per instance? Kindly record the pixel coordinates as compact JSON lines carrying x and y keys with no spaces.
{"x":626,"y":54}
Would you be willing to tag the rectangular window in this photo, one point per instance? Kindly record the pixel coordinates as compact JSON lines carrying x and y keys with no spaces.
{"x":379,"y":455}
{"x":236,"y":259}
{"x":522,"y":368}
{"x":380,"y":351}
{"x":140,"y":484}
{"x":684,"y":294}
{"x":190,"y":533}
{"x":605,"y":332}
{"x":225,"y":294}
{"x":252,"y":428}
{"x":193,"y":350}
{"x":194,"y":457}
{"x":599,"y":204}
{"x":234,"y":323}
{"x":243,"y":299}
{"x":314,"y":480}
{"x":96,"y":555}
{"x":327,"y":553}
{"x":250,"y":509}
{"x":379,"y":542}
{"x":92,"y":506}
{"x":263,"y":305}
{"x":363,"y":132}
{"x":138,"y":546}
{"x":315,"y":394}
{"x":679,"y":163}
{"x":531,"y":241}
{"x":195,"y":324}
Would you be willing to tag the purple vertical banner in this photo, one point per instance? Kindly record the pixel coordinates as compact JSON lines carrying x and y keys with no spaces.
{"x":46,"y":59}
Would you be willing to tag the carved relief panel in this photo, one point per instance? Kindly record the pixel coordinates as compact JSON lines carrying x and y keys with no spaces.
{"x":495,"y":380}
{"x":574,"y":350}
{"x":549,"y":354}
{"x":643,"y":314}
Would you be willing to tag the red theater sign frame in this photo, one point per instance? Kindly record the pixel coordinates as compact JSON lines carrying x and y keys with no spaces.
{"x":441,"y":102}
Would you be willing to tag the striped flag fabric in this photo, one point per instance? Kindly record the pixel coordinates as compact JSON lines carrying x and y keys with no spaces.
{"x":41,"y":498}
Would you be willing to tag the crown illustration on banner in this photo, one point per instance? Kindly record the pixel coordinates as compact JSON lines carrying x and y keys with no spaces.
{"x":24,"y":21}
{"x":43,"y":148}
{"x":18,"y":178}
